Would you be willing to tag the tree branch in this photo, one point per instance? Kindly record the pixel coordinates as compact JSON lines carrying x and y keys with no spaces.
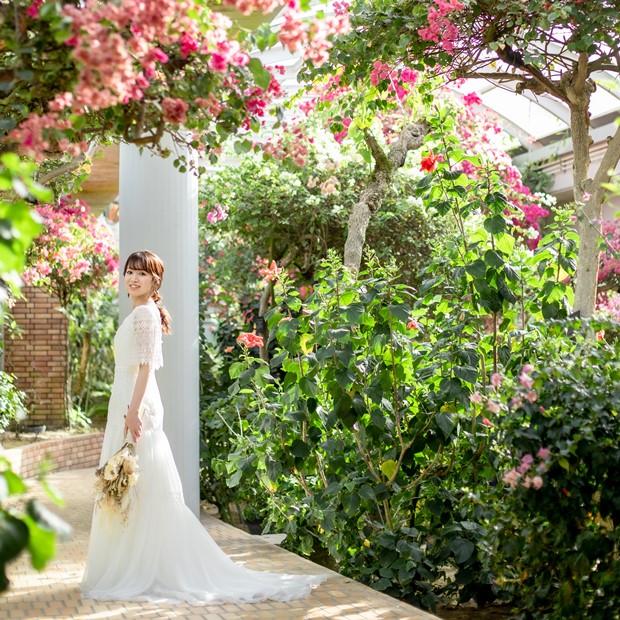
{"x":69,"y":166}
{"x":411,"y":137}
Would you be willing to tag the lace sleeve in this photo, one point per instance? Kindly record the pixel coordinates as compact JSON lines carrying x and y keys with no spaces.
{"x":147,"y":339}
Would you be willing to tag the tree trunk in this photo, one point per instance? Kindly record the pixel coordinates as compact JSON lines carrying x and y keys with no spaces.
{"x":372,"y":197}
{"x":589,"y":196}
{"x":588,"y":211}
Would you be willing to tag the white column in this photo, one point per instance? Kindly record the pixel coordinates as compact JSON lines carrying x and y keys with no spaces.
{"x":159,"y":212}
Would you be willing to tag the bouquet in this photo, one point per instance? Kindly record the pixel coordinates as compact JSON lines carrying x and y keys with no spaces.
{"x":115,"y":478}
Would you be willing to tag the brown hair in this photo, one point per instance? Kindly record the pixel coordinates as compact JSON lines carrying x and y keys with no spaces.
{"x":151,"y":263}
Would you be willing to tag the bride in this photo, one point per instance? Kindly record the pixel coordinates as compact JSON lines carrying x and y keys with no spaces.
{"x":161,"y":553}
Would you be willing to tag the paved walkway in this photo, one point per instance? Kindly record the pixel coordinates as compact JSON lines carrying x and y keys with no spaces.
{"x":54,"y":593}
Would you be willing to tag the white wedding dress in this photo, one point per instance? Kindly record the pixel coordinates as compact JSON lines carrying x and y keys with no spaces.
{"x":163,"y":553}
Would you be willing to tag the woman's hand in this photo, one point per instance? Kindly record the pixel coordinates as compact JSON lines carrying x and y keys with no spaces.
{"x":133,"y":424}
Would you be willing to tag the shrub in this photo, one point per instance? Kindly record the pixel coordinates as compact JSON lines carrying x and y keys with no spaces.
{"x":12,"y":405}
{"x":556,"y":537}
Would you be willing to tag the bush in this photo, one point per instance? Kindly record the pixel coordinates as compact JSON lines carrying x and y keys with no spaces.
{"x":556,"y":535}
{"x":12,"y":407}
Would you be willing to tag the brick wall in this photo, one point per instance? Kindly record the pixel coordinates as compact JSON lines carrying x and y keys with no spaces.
{"x":77,"y":452}
{"x":38,"y":358}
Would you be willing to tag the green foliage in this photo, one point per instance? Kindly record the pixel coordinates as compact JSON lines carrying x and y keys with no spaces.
{"x":481,"y":35}
{"x":12,"y":405}
{"x":556,"y":547}
{"x":33,"y":529}
{"x":350,"y":430}
{"x":294,"y":217}
{"x":93,"y":321}
{"x":19,"y":224}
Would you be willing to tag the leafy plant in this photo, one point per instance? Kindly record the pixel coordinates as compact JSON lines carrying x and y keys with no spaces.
{"x":12,"y":405}
{"x":29,"y":527}
{"x":556,"y":535}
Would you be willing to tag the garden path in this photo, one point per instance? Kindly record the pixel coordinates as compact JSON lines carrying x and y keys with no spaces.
{"x":54,"y":593}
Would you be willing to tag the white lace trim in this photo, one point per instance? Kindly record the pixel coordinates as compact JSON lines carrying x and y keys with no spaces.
{"x":147,"y":333}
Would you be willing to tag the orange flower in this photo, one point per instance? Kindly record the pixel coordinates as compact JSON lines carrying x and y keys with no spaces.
{"x":250,"y":340}
{"x":270,"y":273}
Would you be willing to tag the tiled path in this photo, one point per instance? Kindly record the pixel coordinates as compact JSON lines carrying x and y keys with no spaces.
{"x":54,"y":593}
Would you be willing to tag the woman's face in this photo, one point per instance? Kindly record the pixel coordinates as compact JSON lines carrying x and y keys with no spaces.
{"x":139,"y":283}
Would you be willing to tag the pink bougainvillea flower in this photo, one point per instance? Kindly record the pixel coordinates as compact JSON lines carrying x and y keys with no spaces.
{"x":487,"y":422}
{"x":496,"y":380}
{"x":412,"y":324}
{"x":175,"y":110}
{"x":472,"y":99}
{"x":526,"y":381}
{"x":250,"y":340}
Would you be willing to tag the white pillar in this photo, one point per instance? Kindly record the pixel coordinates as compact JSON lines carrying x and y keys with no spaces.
{"x":159,"y":212}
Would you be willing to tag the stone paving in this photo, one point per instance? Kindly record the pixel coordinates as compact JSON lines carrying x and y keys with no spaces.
{"x":54,"y":593}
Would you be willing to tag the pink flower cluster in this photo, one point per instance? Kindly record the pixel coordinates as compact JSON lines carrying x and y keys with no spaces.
{"x":440,"y":29}
{"x":74,"y":252}
{"x":399,"y":82}
{"x":329,"y":186}
{"x":218,"y":214}
{"x":174,"y":110}
{"x":520,"y":475}
{"x":315,"y":38}
{"x":290,"y":143}
{"x":608,"y":303}
{"x":609,"y":269}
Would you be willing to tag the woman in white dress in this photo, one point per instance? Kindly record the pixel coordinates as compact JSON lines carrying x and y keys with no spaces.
{"x":162,"y":553}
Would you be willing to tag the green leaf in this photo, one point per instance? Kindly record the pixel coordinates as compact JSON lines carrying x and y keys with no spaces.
{"x":495,"y":224}
{"x":13,"y":537}
{"x":41,"y":543}
{"x":367,"y":493}
{"x":300,"y":449}
{"x":308,"y":387}
{"x":14,"y":484}
{"x":243,"y":146}
{"x":477,"y":269}
{"x":505,"y":243}
{"x":46,"y":519}
{"x":401,"y":312}
{"x":259,"y":73}
{"x":466,"y":373}
{"x":462,"y":549}
{"x":389,"y":468}
{"x":445,"y":423}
